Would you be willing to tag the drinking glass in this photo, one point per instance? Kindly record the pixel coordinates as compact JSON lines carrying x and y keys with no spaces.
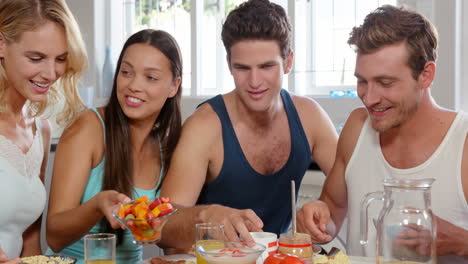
{"x":99,"y":248}
{"x":210,"y":235}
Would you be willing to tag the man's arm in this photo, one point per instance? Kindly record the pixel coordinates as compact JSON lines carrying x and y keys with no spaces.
{"x":320,"y":132}
{"x":189,"y":171}
{"x":186,"y":176}
{"x":314,"y":217}
{"x":179,"y":232}
{"x":452,"y":239}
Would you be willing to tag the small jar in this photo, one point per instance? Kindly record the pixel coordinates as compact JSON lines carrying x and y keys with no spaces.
{"x":299,"y":246}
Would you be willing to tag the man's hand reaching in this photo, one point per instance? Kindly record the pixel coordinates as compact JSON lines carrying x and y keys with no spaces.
{"x":313,"y":219}
{"x":237,"y":223}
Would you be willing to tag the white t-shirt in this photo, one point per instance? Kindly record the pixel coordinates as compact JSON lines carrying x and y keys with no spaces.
{"x":22,"y":193}
{"x":367,"y":168}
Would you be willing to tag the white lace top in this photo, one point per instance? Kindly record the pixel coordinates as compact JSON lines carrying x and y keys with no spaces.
{"x":22,"y":193}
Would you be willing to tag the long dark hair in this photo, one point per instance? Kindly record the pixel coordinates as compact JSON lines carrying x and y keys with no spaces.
{"x":118,"y":164}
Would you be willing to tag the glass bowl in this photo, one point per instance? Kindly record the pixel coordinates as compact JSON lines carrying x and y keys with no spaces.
{"x":144,"y":231}
{"x":232,"y":253}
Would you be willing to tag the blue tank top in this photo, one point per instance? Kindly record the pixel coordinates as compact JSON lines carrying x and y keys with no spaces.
{"x":126,"y":252}
{"x":239,"y":186}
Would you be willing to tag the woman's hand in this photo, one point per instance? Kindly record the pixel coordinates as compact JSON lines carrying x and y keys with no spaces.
{"x":4,"y":259}
{"x":107,"y":200}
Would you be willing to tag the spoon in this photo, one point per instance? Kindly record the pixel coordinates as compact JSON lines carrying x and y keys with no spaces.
{"x":293,"y":207}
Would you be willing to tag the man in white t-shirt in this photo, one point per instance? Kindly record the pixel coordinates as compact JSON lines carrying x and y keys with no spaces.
{"x":400,"y":133}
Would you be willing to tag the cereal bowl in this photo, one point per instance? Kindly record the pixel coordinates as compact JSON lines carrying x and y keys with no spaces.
{"x":232,"y":253}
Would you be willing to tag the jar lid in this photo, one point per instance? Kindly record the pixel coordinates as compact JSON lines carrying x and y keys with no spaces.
{"x":299,"y":240}
{"x":408,"y":183}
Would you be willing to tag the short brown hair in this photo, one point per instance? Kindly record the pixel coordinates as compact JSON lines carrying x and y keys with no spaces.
{"x":257,"y":19}
{"x":389,"y":25}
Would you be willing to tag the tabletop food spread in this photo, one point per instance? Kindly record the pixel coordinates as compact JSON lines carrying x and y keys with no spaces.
{"x":340,"y":258}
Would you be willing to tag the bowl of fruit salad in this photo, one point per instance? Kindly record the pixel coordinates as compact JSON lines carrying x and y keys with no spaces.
{"x":144,"y":218}
{"x":232,"y":253}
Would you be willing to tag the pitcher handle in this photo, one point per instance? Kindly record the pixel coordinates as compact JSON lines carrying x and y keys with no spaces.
{"x":366,"y":201}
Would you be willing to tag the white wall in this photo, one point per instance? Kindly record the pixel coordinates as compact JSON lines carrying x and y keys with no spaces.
{"x":452,"y":68}
{"x":89,"y":14}
{"x":446,"y":87}
{"x":464,"y":56}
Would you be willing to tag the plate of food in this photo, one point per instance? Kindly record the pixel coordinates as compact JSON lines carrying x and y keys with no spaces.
{"x":49,"y":259}
{"x":172,"y":259}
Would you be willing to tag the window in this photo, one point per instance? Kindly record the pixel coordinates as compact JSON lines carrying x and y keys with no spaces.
{"x":173,"y":17}
{"x":323,"y":61}
{"x":326,"y":62}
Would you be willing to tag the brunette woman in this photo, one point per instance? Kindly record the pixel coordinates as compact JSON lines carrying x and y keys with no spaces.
{"x":120,"y":152}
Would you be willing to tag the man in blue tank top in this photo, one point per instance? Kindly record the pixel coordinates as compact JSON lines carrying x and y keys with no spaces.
{"x":239,"y":151}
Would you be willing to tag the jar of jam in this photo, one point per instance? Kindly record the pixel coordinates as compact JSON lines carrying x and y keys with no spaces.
{"x":299,"y":245}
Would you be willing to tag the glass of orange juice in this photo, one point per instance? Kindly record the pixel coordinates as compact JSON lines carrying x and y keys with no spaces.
{"x":210,"y":235}
{"x":99,"y":248}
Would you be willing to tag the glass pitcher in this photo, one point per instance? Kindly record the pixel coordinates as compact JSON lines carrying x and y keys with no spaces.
{"x":406,"y":229}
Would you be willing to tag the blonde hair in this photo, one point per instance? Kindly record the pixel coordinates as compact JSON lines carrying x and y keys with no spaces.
{"x":18,"y":16}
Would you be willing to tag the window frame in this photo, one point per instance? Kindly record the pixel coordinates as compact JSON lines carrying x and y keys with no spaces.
{"x":196,"y":14}
{"x":196,"y":77}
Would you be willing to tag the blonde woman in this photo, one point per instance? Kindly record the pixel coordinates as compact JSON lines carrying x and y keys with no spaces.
{"x":42,"y":56}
